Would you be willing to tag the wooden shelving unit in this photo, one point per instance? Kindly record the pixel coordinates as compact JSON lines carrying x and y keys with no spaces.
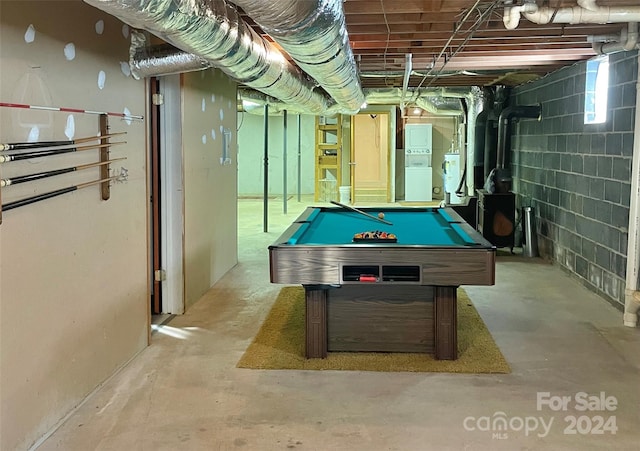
{"x":328,"y":157}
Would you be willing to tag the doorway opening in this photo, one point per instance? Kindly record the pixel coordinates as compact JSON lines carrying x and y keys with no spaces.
{"x":166,"y":199}
{"x":370,"y":158}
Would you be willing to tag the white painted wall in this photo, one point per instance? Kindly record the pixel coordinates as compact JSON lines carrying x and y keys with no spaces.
{"x":73,"y":269}
{"x":211,"y":249}
{"x":74,"y":294}
{"x":251,"y":154}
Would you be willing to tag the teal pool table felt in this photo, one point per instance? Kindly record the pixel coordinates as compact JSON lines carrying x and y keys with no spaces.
{"x":424,"y":226}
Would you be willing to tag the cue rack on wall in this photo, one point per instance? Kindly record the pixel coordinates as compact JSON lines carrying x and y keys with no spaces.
{"x":30,"y":150}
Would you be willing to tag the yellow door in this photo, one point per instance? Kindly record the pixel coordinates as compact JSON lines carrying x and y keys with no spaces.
{"x":370,"y":158}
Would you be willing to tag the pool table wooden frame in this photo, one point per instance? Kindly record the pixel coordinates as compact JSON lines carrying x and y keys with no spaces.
{"x":386,"y":316}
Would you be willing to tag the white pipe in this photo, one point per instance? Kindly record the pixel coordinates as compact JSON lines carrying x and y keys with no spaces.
{"x":627,"y":40}
{"x":586,"y":12}
{"x":631,"y":294}
{"x":588,"y":4}
{"x":408,"y":68}
{"x":577,"y":14}
{"x":603,"y":37}
{"x":511,"y":16}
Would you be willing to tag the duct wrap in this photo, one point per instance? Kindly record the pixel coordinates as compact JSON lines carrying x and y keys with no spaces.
{"x":445,"y":106}
{"x":164,"y":59}
{"x":213,"y":30}
{"x":478,"y":105}
{"x":314,"y":34}
{"x":442,"y":101}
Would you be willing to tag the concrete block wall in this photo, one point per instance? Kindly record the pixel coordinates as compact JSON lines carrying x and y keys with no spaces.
{"x":577,"y":176}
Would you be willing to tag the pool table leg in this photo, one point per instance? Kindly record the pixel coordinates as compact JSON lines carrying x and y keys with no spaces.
{"x":315,"y":323}
{"x":446,"y":324}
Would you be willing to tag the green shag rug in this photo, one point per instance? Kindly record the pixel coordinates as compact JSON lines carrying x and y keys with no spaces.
{"x":280,"y":345}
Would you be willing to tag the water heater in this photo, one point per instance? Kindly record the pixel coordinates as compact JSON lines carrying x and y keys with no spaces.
{"x":452,"y":170}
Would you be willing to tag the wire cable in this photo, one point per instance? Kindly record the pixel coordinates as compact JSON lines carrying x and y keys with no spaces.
{"x":484,"y":15}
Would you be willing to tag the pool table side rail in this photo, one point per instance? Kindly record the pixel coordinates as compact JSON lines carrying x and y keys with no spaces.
{"x":454,"y":266}
{"x":474,"y":234}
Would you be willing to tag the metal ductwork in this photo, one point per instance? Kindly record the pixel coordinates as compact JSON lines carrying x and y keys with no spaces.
{"x":408,"y":68}
{"x":314,"y":34}
{"x":252,"y":101}
{"x":213,"y":30}
{"x":163,"y":59}
{"x":509,"y":113}
{"x":440,"y":101}
{"x":442,"y":106}
{"x":503,"y":177}
{"x":479,"y":110}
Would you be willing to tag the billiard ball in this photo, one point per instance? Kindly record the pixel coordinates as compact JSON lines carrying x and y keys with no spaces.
{"x":381,"y":215}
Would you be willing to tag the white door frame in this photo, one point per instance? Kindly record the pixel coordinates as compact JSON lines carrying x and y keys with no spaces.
{"x":172,"y":196}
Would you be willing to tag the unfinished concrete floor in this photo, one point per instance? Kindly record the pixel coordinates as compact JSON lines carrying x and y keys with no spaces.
{"x":184,"y":391}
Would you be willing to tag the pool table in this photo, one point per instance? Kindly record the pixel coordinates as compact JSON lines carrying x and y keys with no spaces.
{"x":381,"y":295}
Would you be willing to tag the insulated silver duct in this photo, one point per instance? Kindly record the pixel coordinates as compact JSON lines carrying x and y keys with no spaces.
{"x":444,"y":106}
{"x":441,"y":101}
{"x":214,"y":31}
{"x":408,"y":68}
{"x":477,"y":105}
{"x":165,"y":59}
{"x":314,"y":33}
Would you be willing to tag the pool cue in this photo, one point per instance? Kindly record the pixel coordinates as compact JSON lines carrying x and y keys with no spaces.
{"x":361,"y":212}
{"x":36,"y":145}
{"x":42,"y":175}
{"x":48,"y":153}
{"x":50,"y":194}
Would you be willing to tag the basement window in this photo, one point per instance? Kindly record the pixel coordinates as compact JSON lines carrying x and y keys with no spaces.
{"x":596,"y":90}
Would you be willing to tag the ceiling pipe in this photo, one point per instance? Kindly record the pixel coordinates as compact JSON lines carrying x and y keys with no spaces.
{"x":512,"y":14}
{"x":603,"y":37}
{"x":587,"y":11}
{"x":628,"y":40}
{"x":314,"y":34}
{"x":414,"y":73}
{"x":588,"y":4}
{"x":408,"y":68}
{"x":214,"y":31}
